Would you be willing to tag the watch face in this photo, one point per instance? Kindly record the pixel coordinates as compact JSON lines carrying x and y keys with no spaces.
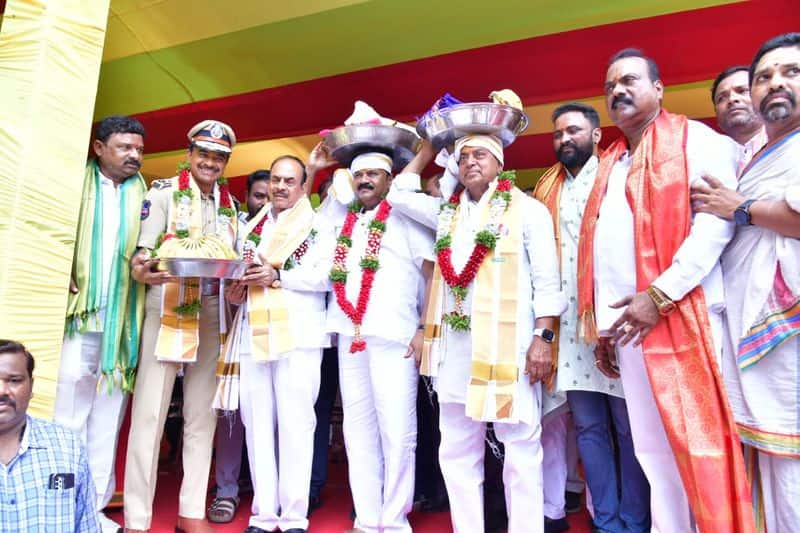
{"x":548,"y":335}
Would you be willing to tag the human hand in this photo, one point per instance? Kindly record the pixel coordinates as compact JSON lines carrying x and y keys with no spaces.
{"x":539,"y":360}
{"x":144,"y":269}
{"x":605,"y":358}
{"x":235,"y":292}
{"x":711,"y":196}
{"x":415,"y":347}
{"x":263,"y":275}
{"x":640,"y":316}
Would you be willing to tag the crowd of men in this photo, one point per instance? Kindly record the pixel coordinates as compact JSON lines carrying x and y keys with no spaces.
{"x":647,"y":294}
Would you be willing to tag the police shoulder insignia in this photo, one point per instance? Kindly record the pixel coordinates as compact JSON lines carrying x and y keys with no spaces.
{"x":146,"y":209}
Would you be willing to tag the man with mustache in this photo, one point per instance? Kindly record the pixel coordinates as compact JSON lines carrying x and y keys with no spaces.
{"x":620,"y":493}
{"x":730,"y":94}
{"x":104,"y":304}
{"x":181,"y":329}
{"x":490,"y":311}
{"x":381,"y":262}
{"x":278,"y":335}
{"x":761,"y":360}
{"x":46,"y":480}
{"x":650,"y":294}
{"x":229,"y":437}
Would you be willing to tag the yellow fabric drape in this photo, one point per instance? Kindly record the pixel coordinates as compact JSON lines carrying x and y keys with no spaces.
{"x":50,"y":56}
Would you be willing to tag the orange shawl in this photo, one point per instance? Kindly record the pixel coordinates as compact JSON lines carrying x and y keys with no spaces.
{"x":548,"y":191}
{"x":678,"y":351}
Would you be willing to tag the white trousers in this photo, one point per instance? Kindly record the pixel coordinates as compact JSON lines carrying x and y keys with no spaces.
{"x":780,"y":486}
{"x":461,"y":458}
{"x":379,"y":400}
{"x":94,"y":414}
{"x":554,"y":464}
{"x":669,"y":505}
{"x":277,"y":409}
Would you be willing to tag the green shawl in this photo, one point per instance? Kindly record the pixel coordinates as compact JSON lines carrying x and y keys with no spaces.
{"x":125,"y":299}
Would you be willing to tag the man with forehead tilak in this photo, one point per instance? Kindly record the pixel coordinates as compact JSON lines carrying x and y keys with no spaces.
{"x":381,"y":261}
{"x":276,"y":340}
{"x":761,"y":266}
{"x":183,"y":322}
{"x":650,"y":295}
{"x":487,"y":336}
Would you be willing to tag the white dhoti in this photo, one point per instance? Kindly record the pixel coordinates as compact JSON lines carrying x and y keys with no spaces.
{"x":96,"y":415}
{"x":780,"y":489}
{"x":669,"y":505}
{"x":277,"y":409}
{"x":461,"y":457}
{"x":379,"y":394}
{"x":554,"y":464}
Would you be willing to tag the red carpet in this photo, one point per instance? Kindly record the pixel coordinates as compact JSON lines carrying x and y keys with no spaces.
{"x":332,"y":517}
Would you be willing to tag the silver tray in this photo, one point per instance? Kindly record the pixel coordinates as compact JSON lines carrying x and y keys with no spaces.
{"x":346,"y":142}
{"x":446,"y":125}
{"x":204,"y":268}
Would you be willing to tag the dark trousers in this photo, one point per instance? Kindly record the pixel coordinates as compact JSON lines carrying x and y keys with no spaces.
{"x":328,"y":386}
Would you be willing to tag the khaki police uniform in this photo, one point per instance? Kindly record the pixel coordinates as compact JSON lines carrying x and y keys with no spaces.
{"x":155,"y":379}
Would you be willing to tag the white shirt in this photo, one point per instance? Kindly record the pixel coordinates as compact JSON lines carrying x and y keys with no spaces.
{"x":393,"y":309}
{"x":697,"y":259}
{"x":538,"y":289}
{"x":304,"y":289}
{"x":109,"y":195}
{"x":750,"y":148}
{"x":576,"y":368}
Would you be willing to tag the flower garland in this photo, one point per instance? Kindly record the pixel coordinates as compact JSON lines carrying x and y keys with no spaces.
{"x":183,"y":197}
{"x":369,"y":265}
{"x":254,"y":239}
{"x":485,"y":242}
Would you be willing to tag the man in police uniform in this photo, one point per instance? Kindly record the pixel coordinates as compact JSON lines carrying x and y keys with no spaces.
{"x":209,"y":149}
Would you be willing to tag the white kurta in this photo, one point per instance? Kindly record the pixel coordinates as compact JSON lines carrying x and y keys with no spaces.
{"x":393,"y":311}
{"x":765,"y":396}
{"x":576,"y":368}
{"x":95,"y":414}
{"x":539,"y":292}
{"x":379,"y":385}
{"x":277,"y":397}
{"x":696,"y":261}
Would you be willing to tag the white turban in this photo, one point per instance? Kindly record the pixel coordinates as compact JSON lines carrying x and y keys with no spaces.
{"x":371,"y":160}
{"x":488,"y":142}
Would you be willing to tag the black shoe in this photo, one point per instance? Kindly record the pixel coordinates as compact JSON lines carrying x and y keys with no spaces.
{"x":314,"y":503}
{"x":295,"y":530}
{"x":555,"y":526}
{"x":254,"y":529}
{"x":573,"y":502}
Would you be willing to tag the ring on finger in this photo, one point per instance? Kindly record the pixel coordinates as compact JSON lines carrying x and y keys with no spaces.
{"x":627,"y":328}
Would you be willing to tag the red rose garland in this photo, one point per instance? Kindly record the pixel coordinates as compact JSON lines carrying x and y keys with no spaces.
{"x":369,"y":265}
{"x":485,"y":241}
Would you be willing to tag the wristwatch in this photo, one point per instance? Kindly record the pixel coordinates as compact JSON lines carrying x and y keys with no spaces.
{"x":663,"y":303}
{"x":547,"y":335}
{"x":742,"y":214}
